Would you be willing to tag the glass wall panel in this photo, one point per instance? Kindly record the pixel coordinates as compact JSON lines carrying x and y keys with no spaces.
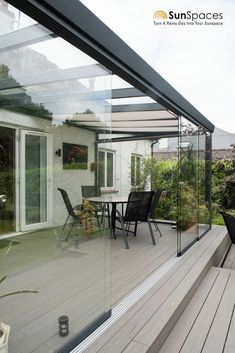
{"x":50,"y":117}
{"x":204,"y":181}
{"x":187,"y":215}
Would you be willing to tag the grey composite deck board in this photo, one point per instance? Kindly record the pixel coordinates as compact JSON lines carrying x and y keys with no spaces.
{"x":44,"y":349}
{"x":109,"y":337}
{"x":140,"y":276}
{"x":207,"y":323}
{"x":230,"y":341}
{"x":177,"y":337}
{"x":34,"y":316}
{"x":162,"y":321}
{"x":50,"y":287}
{"x":229,"y":262}
{"x":124,"y":283}
{"x":198,"y":334}
{"x":133,"y":326}
{"x":218,"y":332}
{"x":135,"y":347}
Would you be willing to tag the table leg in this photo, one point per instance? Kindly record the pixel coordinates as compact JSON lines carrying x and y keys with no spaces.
{"x":113,"y":218}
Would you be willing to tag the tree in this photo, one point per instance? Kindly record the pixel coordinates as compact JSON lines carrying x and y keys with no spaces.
{"x":19,"y":102}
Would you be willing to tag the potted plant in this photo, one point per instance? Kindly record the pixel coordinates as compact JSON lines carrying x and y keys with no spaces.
{"x":5,"y":329}
{"x":183,"y":211}
{"x":87,"y":216}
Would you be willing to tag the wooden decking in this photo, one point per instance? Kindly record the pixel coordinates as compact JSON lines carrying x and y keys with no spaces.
{"x":131,"y":267}
{"x":78,"y":283}
{"x":146,"y":326}
{"x":208,"y":323}
{"x":75,"y":282}
{"x":229,"y":262}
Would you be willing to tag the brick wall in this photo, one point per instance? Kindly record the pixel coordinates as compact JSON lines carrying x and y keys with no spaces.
{"x":222,"y":154}
{"x":216,"y":155}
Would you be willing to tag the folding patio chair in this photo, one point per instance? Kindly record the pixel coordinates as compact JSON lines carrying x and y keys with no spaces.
{"x":71,"y":212}
{"x":137,"y":210}
{"x":152,"y":209}
{"x":229,"y":221}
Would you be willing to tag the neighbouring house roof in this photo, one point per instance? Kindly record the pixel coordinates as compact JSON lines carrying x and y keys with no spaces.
{"x":222,"y":139}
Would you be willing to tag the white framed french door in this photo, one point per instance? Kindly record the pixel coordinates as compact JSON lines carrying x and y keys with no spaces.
{"x":35,"y":180}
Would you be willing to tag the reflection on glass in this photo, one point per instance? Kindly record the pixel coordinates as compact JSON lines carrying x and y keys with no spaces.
{"x":203,"y":183}
{"x":187,"y":215}
{"x":109,"y":169}
{"x":12,"y":19}
{"x":7,"y":180}
{"x":35,"y":179}
{"x":101,"y":169}
{"x":51,"y":89}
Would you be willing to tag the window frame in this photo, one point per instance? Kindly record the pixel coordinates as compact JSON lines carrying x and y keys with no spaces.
{"x":106,"y":151}
{"x":134,"y":174}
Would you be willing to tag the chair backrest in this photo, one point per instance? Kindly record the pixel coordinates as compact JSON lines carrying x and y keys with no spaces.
{"x":230,"y":224}
{"x":67,"y":202}
{"x":138,"y":205}
{"x":90,"y":191}
{"x":155,"y":201}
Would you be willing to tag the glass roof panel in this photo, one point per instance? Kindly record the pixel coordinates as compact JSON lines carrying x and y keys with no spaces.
{"x":134,"y":100}
{"x":118,"y":82}
{"x":12,"y":19}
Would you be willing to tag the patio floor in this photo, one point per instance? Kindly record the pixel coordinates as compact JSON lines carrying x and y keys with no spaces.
{"x":73,"y":281}
{"x":171,"y":312}
{"x":208,"y":323}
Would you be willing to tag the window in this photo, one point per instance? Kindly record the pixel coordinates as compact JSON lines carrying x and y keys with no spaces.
{"x":106,"y":168}
{"x":135,"y":169}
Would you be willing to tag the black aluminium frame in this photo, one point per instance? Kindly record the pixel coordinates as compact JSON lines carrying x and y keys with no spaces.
{"x":208,"y":194}
{"x":80,"y":27}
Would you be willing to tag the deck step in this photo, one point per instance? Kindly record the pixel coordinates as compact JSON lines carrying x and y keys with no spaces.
{"x":205,"y":324}
{"x":145,"y":327}
{"x":229,"y":262}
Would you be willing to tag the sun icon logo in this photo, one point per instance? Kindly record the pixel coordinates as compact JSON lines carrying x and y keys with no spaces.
{"x":160,"y":15}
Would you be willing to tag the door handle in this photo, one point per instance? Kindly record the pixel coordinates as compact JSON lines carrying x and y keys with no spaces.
{"x":3,"y":198}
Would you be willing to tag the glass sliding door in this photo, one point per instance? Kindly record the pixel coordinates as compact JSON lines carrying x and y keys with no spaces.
{"x":7,"y":180}
{"x":187,"y":212}
{"x":106,"y":169}
{"x":35,"y":180}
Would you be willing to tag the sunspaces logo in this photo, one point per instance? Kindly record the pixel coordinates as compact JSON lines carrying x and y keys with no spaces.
{"x":160,"y":15}
{"x":188,"y":18}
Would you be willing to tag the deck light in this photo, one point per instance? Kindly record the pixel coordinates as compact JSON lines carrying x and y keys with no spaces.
{"x":63,"y":325}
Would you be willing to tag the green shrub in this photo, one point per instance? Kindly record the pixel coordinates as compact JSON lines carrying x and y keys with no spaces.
{"x":164,"y":174}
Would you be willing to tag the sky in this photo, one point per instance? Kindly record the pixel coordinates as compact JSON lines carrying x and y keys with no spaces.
{"x":198,"y":61}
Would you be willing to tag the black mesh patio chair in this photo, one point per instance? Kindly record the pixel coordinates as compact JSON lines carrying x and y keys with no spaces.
{"x":71,"y":213}
{"x":137,"y":210}
{"x":152,"y":209}
{"x":229,"y":221}
{"x":102,"y":209}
